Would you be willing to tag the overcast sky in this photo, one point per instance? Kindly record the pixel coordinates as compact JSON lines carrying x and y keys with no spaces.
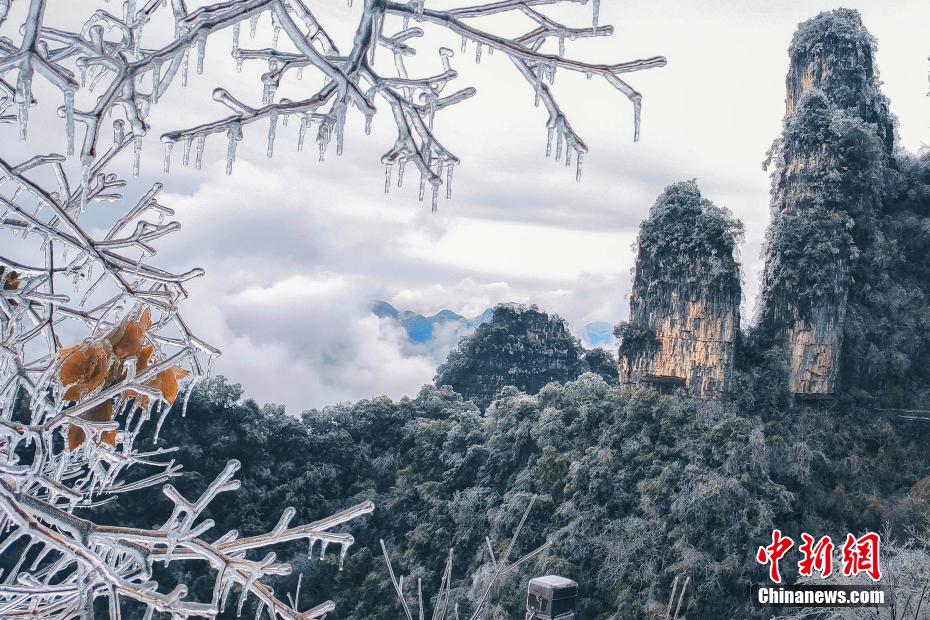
{"x":296,"y":249}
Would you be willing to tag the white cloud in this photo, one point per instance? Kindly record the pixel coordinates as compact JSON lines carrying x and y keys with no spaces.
{"x":295,"y":249}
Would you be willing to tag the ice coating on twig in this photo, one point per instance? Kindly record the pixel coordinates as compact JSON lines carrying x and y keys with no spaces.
{"x":92,"y":344}
{"x":357,"y":80}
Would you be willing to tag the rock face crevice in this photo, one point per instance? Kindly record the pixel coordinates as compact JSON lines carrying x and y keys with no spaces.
{"x":684,"y":308}
{"x":838,"y":132}
{"x":694,"y":348}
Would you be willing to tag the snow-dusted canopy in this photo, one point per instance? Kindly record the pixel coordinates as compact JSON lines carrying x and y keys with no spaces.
{"x":92,"y":344}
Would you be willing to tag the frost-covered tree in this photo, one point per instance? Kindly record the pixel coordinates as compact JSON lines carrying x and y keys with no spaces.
{"x":92,"y":344}
{"x":905,"y":579}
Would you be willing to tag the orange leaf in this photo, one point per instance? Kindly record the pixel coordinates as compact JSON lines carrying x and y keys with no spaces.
{"x":101,"y":413}
{"x":65,"y":352}
{"x":83,"y":369}
{"x":10,"y":280}
{"x":127,"y":338}
{"x":167,"y":383}
{"x":142,"y":360}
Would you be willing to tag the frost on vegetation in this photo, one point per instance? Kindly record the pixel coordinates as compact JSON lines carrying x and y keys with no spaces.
{"x":107,"y":53}
{"x":92,"y":346}
{"x":444,"y":602}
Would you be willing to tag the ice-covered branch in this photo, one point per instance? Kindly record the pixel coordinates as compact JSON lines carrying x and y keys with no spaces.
{"x":93,"y":348}
{"x":354,"y":80}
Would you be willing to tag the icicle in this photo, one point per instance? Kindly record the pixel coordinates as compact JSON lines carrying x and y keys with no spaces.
{"x":558,"y":146}
{"x":376,"y":23}
{"x":422,"y":187}
{"x":301,"y":133}
{"x":449,"y":181}
{"x":233,"y":135}
{"x":300,"y":73}
{"x":435,"y":206}
{"x":85,"y":181}
{"x":169,"y":144}
{"x":400,"y":172}
{"x":253,"y":25}
{"x":185,"y":60}
{"x":538,"y":84}
{"x":340,"y":112}
{"x":272,"y":127}
{"x":562,"y":45}
{"x":323,"y":139}
{"x":275,"y":34}
{"x":596,"y":10}
{"x":156,"y":79}
{"x":187,"y":151}
{"x":268,"y":91}
{"x":136,"y":155}
{"x":637,"y":112}
{"x":579,"y":159}
{"x":464,"y":43}
{"x":201,"y":51}
{"x":568,"y":154}
{"x":187,"y":397}
{"x":387,"y":179}
{"x":549,"y":132}
{"x":136,"y":39}
{"x":69,"y":120}
{"x":198,"y":156}
{"x":478,"y":53}
{"x":368,"y":118}
{"x":24,"y":93}
{"x":235,"y":46}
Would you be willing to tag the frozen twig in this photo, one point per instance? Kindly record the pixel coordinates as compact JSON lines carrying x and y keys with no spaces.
{"x":71,"y":416}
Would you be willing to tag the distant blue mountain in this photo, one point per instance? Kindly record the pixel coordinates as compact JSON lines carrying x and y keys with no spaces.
{"x":599,"y":333}
{"x":421,"y":329}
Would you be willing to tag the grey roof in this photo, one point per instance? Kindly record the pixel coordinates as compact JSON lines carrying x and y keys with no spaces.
{"x":553,"y":581}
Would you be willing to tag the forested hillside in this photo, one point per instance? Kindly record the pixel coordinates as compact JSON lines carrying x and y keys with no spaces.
{"x":523,"y":347}
{"x":632,"y":490}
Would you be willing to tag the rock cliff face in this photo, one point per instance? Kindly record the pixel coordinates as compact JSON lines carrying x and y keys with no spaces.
{"x":684,"y":308}
{"x":838,"y":135}
{"x":834,"y":53}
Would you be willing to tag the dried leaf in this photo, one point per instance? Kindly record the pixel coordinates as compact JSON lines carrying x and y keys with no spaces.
{"x":101,"y":413}
{"x":142,"y":361}
{"x":129,"y":335}
{"x":167,"y":383}
{"x":84,"y":369}
{"x":10,"y":280}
